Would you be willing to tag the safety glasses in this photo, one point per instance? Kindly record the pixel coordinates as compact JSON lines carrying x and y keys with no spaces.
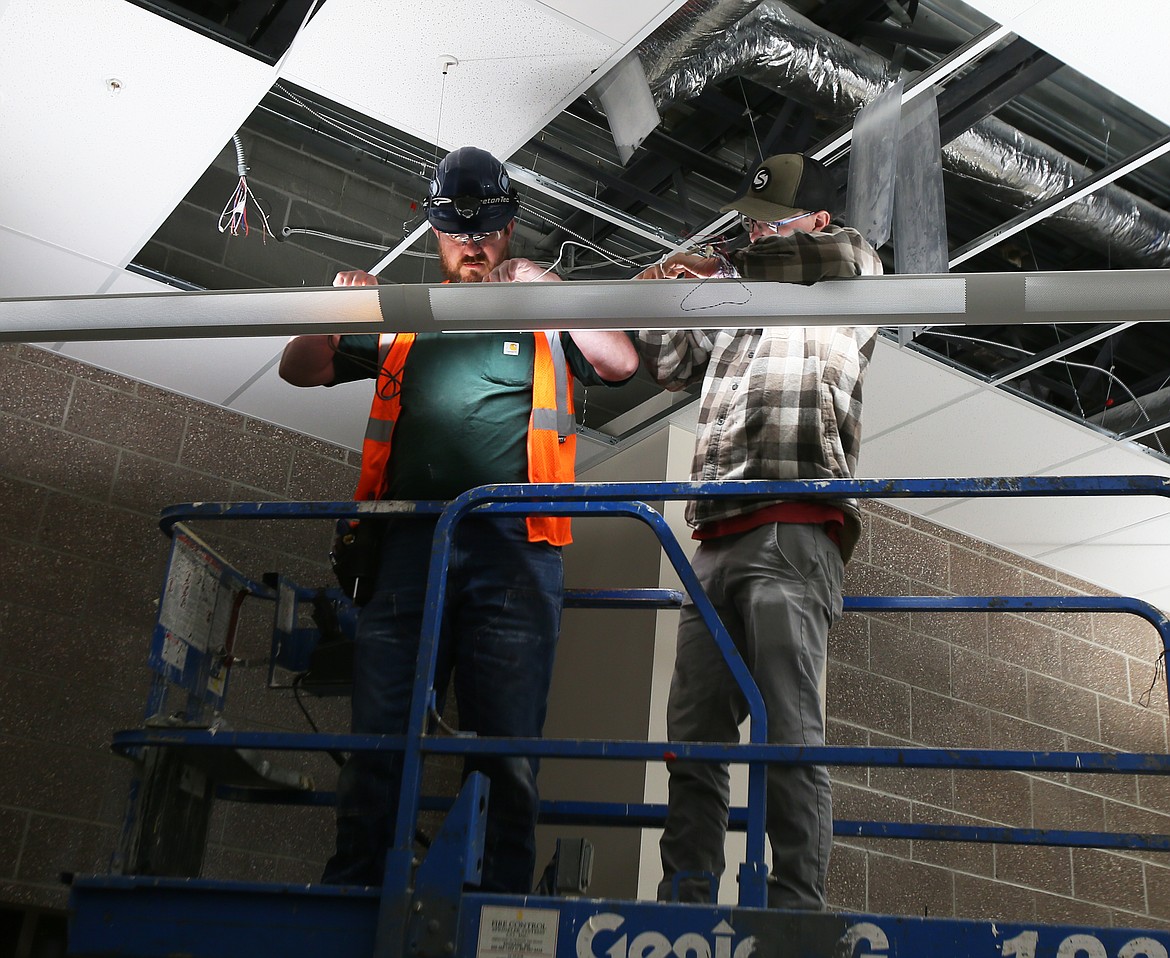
{"x":747,"y":221}
{"x":464,"y":206}
{"x":480,"y":238}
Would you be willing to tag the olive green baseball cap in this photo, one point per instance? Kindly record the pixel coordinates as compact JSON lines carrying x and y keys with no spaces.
{"x":786,"y":185}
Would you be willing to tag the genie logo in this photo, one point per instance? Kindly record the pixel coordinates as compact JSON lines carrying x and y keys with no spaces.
{"x":654,"y":944}
{"x":760,"y":180}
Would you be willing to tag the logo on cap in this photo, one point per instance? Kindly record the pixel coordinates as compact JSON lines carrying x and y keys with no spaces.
{"x":760,"y":180}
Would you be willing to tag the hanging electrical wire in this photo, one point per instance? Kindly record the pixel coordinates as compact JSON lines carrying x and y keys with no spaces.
{"x":234,"y":217}
{"x":578,"y":240}
{"x":1068,"y":365}
{"x":362,"y":132}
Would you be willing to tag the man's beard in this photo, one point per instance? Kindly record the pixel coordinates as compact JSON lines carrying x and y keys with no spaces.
{"x":451,"y":261}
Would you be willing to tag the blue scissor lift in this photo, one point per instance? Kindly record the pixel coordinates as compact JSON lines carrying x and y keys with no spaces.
{"x":430,"y":909}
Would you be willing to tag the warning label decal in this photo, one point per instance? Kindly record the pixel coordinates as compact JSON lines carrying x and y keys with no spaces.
{"x":517,"y":932}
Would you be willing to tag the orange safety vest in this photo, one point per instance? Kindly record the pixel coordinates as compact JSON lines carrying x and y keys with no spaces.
{"x":552,"y":436}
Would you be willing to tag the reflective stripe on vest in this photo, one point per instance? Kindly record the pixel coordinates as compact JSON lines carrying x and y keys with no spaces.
{"x":392,"y":350}
{"x":552,"y":438}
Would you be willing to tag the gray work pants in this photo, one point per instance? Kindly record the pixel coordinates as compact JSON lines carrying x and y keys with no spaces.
{"x":777,"y":590}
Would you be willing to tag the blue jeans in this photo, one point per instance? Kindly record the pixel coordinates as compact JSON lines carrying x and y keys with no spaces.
{"x":777,"y":589}
{"x":499,"y":635}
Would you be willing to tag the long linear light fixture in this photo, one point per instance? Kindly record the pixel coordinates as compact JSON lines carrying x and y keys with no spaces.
{"x":974,"y":299}
{"x":1042,"y":210}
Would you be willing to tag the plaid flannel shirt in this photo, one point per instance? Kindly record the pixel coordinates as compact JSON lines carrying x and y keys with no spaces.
{"x":777,"y":403}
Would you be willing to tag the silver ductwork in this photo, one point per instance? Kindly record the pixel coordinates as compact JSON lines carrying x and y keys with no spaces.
{"x":777,"y":47}
{"x":771,"y":44}
{"x":687,"y":32}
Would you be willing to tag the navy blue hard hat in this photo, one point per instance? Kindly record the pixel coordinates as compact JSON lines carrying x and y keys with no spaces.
{"x":471,"y":193}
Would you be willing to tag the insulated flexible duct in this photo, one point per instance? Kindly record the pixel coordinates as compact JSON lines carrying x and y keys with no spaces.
{"x":777,"y":47}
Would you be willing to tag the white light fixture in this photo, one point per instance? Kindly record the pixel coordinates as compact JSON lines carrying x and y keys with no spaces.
{"x":972,"y":299}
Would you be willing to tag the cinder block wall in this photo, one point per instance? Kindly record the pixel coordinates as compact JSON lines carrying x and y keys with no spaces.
{"x":87,"y":459}
{"x":1047,"y":681}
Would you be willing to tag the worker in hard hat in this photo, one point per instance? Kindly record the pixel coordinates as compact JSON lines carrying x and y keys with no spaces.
{"x":451,"y":412}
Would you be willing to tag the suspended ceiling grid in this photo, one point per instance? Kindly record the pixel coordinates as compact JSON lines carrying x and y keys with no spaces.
{"x":1122,"y":46}
{"x":95,"y":167}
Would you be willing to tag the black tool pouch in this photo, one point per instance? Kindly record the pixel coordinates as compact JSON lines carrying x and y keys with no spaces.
{"x":355,"y":556}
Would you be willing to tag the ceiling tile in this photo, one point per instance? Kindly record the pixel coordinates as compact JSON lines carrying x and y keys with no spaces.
{"x":1036,"y":526}
{"x":337,"y":415}
{"x":224,"y":365}
{"x":1110,"y":458}
{"x":985,"y":433}
{"x":1127,"y":568}
{"x":32,"y":267}
{"x":620,"y":20}
{"x":119,"y":111}
{"x":516,"y":66}
{"x":238,"y":374}
{"x":1124,"y":50}
{"x":888,"y":402}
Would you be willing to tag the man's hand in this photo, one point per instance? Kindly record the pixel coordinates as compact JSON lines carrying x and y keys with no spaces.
{"x":521,"y":271}
{"x":683,"y":265}
{"x":355,"y":277}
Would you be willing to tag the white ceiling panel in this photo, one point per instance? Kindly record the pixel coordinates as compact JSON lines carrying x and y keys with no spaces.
{"x":1035,"y":527}
{"x":1124,"y":49}
{"x":108,"y":146}
{"x":1127,"y":568}
{"x":238,"y":374}
{"x":1109,"y":458}
{"x":213,"y":370}
{"x":32,"y":267}
{"x":337,"y":415}
{"x":923,"y":419}
{"x":1159,"y":598}
{"x":900,"y":385}
{"x":987,"y":433}
{"x":1152,"y":532}
{"x":622,"y":21}
{"x":128,"y":282}
{"x":496,"y":97}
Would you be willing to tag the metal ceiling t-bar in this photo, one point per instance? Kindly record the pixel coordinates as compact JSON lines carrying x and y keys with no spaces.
{"x":1045,"y":208}
{"x":836,"y":146}
{"x":1059,"y":352}
{"x":997,"y":80}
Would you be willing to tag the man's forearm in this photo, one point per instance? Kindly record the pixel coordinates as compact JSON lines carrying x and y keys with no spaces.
{"x":608,"y":351}
{"x":308,"y":360}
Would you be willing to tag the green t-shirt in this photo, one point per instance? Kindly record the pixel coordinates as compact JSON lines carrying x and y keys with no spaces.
{"x":466,"y":400}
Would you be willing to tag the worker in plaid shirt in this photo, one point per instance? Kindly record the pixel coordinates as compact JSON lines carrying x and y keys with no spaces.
{"x":779,"y":403}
